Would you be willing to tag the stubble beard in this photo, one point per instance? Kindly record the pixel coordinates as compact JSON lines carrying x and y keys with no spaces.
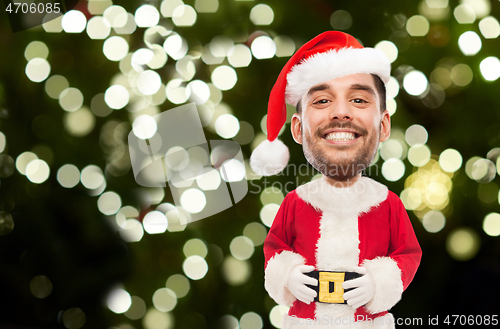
{"x":340,"y":168}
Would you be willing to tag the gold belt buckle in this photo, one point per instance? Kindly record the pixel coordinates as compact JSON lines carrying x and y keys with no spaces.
{"x":325,"y":296}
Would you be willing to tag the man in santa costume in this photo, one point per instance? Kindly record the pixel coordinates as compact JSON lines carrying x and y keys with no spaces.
{"x":341,"y":249}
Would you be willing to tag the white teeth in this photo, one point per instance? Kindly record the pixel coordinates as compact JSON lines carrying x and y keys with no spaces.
{"x":340,"y":136}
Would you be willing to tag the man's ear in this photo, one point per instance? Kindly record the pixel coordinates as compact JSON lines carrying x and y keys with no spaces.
{"x":385,"y":126}
{"x":296,"y":128}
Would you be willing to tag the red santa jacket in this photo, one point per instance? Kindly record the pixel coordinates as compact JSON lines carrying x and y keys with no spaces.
{"x":337,"y":229}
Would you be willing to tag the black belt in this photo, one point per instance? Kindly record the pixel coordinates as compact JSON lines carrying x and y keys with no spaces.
{"x":329,"y":288}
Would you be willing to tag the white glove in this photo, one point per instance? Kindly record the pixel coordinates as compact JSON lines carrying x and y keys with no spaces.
{"x":364,"y":289}
{"x":297,"y":283}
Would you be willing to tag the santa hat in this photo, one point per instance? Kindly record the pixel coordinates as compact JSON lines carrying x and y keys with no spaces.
{"x":330,"y":55}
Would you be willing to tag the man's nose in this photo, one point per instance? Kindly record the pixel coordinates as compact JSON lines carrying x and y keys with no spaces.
{"x":341,"y":110}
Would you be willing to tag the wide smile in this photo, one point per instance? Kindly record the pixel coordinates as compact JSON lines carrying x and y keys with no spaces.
{"x":341,"y":137}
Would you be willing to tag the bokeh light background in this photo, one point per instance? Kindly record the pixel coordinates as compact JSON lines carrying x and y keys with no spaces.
{"x":84,"y":246}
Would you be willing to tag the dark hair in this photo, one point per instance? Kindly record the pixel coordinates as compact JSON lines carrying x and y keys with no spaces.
{"x":379,"y":85}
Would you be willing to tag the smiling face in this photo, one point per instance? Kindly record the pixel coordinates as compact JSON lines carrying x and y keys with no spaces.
{"x":341,"y":125}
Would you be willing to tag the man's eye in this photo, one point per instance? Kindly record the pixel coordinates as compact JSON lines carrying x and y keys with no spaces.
{"x":321,"y":101}
{"x":358,"y":101}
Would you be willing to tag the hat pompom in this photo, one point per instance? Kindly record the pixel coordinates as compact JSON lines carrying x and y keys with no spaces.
{"x":269,"y":158}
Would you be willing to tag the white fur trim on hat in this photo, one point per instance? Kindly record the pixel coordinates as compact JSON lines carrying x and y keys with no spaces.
{"x":269,"y":158}
{"x":332,"y":64}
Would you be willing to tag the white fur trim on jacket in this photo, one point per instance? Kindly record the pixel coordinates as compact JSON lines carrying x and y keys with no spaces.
{"x":276,"y":276}
{"x":388,"y":284}
{"x":327,"y":322}
{"x":359,"y":198}
{"x":329,"y":65}
{"x":341,"y":208}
